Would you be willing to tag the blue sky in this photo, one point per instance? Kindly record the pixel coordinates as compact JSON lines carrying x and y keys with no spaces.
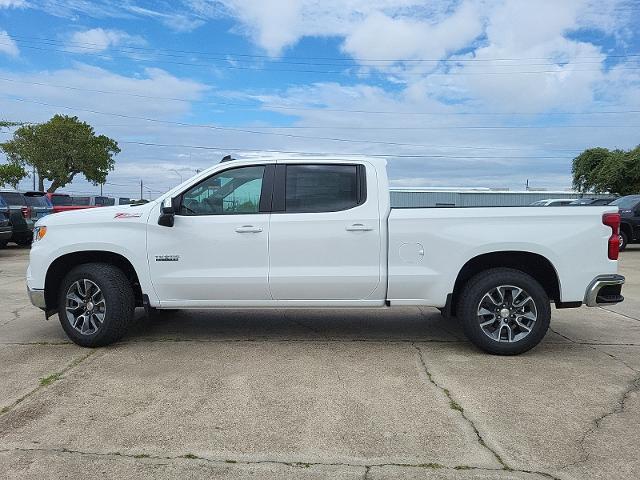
{"x":454,"y":93}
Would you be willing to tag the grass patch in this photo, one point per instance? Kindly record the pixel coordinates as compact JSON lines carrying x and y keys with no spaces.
{"x":462,"y":467}
{"x":431,"y":465}
{"x":455,"y":406}
{"x":230,"y":461}
{"x":50,"y":379}
{"x":190,"y":456}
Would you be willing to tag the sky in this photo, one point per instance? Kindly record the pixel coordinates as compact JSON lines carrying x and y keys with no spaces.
{"x":470,"y":93}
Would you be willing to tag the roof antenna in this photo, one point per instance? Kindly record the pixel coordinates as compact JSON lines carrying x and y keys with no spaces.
{"x":226,"y":158}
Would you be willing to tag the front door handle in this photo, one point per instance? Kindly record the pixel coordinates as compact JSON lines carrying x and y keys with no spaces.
{"x":358,"y":227}
{"x":248,"y":229}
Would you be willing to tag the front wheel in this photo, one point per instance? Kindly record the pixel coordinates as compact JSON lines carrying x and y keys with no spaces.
{"x":95,"y":304}
{"x":504,"y":311}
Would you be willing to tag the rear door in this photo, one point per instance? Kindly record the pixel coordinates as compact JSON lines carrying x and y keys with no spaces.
{"x":324,"y":239}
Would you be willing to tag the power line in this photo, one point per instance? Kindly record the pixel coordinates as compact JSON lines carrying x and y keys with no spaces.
{"x":330,"y":72}
{"x":277,"y":107}
{"x":228,"y":55}
{"x":244,"y":130}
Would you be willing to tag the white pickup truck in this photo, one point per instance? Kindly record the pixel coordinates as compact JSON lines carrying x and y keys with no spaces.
{"x":301,"y":232}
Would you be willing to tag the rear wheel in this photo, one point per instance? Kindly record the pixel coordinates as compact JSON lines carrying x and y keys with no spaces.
{"x":23,"y":242}
{"x":624,"y":240}
{"x":3,"y":243}
{"x":95,"y":304}
{"x":504,"y":311}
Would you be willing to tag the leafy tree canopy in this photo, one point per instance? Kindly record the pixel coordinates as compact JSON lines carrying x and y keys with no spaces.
{"x":60,"y":149}
{"x":603,"y":170}
{"x":11,"y":174}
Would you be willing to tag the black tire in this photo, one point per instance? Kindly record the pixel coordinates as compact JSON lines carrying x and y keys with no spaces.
{"x":3,"y":244}
{"x":24,"y":242}
{"x":624,"y":241}
{"x":118,"y":298}
{"x":473,"y":294}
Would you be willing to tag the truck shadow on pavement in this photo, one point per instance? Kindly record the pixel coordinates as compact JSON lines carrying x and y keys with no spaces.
{"x":402,"y":324}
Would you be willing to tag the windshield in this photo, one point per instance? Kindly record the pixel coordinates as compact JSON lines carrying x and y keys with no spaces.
{"x":61,"y":200}
{"x":37,"y":201}
{"x":626,"y":202}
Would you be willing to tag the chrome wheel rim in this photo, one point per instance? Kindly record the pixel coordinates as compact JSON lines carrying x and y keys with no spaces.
{"x":85,"y":307}
{"x":507,"y":314}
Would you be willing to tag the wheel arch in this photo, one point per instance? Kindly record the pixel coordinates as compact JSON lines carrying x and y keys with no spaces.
{"x":626,"y":228}
{"x":64,"y":263}
{"x":534,"y":264}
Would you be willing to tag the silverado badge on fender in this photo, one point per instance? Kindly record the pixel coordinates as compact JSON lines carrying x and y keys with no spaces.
{"x":167,"y":258}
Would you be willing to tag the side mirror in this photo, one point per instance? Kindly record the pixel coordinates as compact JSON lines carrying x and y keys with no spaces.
{"x":167,"y":213}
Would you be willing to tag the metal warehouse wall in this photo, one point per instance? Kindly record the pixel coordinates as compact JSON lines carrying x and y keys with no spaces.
{"x":406,"y":198}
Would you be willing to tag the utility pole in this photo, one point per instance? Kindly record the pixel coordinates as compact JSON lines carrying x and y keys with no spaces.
{"x":141,"y":189}
{"x":34,"y":177}
{"x":101,"y":189}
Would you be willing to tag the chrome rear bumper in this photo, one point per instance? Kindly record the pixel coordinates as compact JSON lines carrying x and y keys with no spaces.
{"x":594,"y":295}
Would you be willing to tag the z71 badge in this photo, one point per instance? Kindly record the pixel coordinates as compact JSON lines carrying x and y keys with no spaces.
{"x":127,"y":215}
{"x":167,"y":258}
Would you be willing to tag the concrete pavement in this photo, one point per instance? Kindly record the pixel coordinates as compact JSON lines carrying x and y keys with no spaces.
{"x":318,"y":394}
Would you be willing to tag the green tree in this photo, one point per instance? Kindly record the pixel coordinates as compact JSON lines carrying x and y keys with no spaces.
{"x":603,"y":170}
{"x":11,"y":174}
{"x":60,"y":149}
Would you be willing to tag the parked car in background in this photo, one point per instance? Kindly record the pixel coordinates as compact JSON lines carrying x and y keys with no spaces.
{"x":39,"y":204}
{"x":593,"y":201}
{"x":6,"y":230}
{"x":20,"y":214}
{"x":62,"y":202}
{"x":629,"y":219}
{"x":552,"y":202}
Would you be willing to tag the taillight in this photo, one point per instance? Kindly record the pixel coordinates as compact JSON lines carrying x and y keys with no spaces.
{"x":26,"y":212}
{"x":613,"y":220}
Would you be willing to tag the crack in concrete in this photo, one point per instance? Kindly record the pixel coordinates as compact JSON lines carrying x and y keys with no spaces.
{"x":595,"y":345}
{"x":289,"y":463}
{"x":619,"y":313}
{"x":16,"y":315}
{"x":633,"y":386}
{"x":42,"y":385}
{"x":456,"y":406}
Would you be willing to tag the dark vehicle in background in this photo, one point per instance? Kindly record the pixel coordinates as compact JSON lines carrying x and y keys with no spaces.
{"x":552,"y":202}
{"x":39,"y":204}
{"x":593,"y":202}
{"x":6,"y":230}
{"x":20,"y":214}
{"x":629,"y":219}
{"x":63,"y":202}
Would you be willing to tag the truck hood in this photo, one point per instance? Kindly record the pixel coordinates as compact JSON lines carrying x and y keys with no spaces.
{"x":99,"y":215}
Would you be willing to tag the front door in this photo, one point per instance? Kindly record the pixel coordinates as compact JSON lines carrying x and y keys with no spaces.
{"x":216,"y":253}
{"x":325,"y":233}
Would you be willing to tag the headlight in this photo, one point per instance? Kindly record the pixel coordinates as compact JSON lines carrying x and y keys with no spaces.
{"x":39,"y":233}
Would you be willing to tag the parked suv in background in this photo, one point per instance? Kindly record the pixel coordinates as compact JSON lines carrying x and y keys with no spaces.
{"x":6,"y":230}
{"x":39,"y":204}
{"x":629,"y":219}
{"x":20,"y":216}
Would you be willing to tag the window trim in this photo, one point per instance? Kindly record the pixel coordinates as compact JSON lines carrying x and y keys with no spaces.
{"x":278,"y":204}
{"x":264,"y":204}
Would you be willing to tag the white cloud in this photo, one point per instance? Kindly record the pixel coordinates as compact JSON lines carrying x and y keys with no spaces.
{"x":98,"y":40}
{"x":12,"y":3}
{"x":8,"y":45}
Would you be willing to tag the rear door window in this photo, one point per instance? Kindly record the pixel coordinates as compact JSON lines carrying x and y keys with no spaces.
{"x":80,"y":201}
{"x":322,"y":188}
{"x":61,"y":200}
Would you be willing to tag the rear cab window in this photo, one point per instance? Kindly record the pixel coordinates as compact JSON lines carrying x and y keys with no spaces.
{"x":80,"y":201}
{"x":61,"y":200}
{"x":315,"y":188}
{"x":37,"y":201}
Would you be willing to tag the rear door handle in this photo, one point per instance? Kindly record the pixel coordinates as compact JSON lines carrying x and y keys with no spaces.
{"x":358,"y":227}
{"x":248,"y":229}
